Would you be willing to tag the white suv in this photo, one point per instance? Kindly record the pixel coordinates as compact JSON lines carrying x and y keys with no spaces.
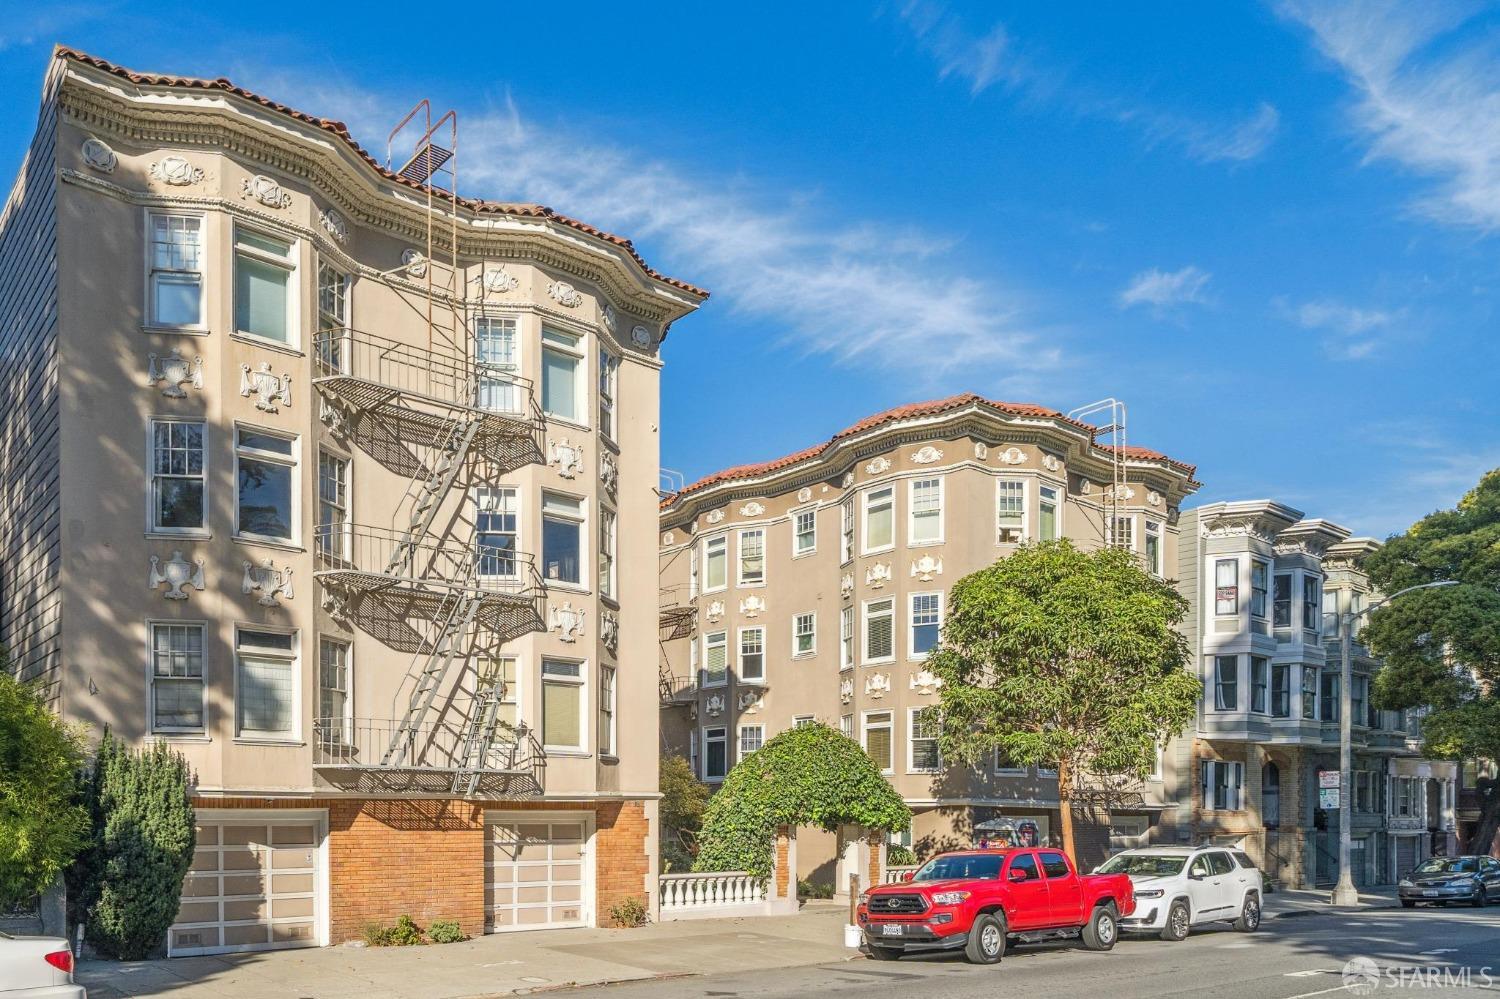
{"x":1179,"y":887}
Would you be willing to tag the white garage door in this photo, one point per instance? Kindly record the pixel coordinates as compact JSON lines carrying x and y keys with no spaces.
{"x":252,"y":886}
{"x":536,"y":873}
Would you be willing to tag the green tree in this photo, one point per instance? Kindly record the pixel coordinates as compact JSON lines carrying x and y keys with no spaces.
{"x":127,"y":885}
{"x":42,"y":827}
{"x":1067,"y":659}
{"x":683,"y":800}
{"x":1442,"y":646}
{"x":809,"y":775}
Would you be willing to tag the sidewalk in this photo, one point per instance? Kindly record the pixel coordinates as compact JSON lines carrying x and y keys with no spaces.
{"x":1308,"y":902}
{"x":495,"y":965}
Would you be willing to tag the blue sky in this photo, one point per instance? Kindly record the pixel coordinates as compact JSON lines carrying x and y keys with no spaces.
{"x":1269,"y":228}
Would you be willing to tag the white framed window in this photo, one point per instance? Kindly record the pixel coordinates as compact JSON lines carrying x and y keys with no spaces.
{"x":496,"y":531}
{"x":1260,"y":684}
{"x":922,"y":727}
{"x":716,"y":659}
{"x":1004,"y":766}
{"x":752,"y":557}
{"x":804,"y":532}
{"x":925,"y":507}
{"x":179,"y":476}
{"x":1259,"y":571}
{"x":562,"y":539}
{"x":497,"y":356}
{"x":266,"y":471}
{"x":802,"y":721}
{"x":266,"y":687}
{"x":609,"y":388}
{"x":752,"y":655}
{"x":693,"y":571}
{"x":1155,"y":560}
{"x":607,"y":527}
{"x":880,"y":643}
{"x":174,"y":284}
{"x":335,"y":701}
{"x":846,"y":531}
{"x":333,"y":297}
{"x":333,"y":541}
{"x":1281,"y":600}
{"x":926,"y":621}
{"x":804,"y":634}
{"x":1010,"y":511}
{"x":1049,"y":513}
{"x":752,"y":737}
{"x":1310,"y":686}
{"x":562,"y":704}
{"x":562,"y":375}
{"x":1226,"y":683}
{"x":1312,"y":592}
{"x":880,"y":520}
{"x":606,"y":711}
{"x":1226,"y":587}
{"x":846,"y":638}
{"x":1223,"y":785}
{"x":877,"y":739}
{"x":176,"y":676}
{"x":715,"y":753}
{"x":846,"y":726}
{"x":265,"y":286}
{"x":715,"y":563}
{"x":1124,"y":533}
{"x":504,"y":673}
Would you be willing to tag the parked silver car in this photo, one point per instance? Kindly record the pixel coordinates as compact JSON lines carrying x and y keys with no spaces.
{"x":1439,"y":880}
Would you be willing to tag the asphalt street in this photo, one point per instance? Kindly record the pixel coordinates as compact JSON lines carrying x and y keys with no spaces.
{"x":1414,"y":952}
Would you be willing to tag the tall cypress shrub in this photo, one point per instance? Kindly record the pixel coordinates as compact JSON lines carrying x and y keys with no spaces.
{"x":128,"y":885}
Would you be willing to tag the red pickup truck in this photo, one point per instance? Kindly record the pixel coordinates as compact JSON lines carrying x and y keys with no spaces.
{"x":978,"y":899}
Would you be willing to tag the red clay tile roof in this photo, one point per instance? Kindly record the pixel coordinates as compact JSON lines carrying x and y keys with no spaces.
{"x":1146,"y":454}
{"x":338,"y":128}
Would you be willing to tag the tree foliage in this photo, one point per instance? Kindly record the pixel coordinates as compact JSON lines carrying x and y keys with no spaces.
{"x":1064,"y":659}
{"x":808,"y":775}
{"x":42,"y":827}
{"x":127,"y":885}
{"x":683,"y":796}
{"x":1442,"y":646}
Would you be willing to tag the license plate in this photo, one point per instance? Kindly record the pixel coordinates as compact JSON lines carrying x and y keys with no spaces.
{"x":892,"y":929}
{"x":1429,"y":893}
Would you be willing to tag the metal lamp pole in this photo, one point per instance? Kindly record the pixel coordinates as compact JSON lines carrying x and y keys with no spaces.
{"x":1344,"y":893}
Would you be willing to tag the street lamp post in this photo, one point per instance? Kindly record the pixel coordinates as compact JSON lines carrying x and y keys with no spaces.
{"x":1344,"y":893}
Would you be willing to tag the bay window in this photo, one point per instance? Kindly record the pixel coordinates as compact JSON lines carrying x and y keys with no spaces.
{"x":846,"y":638}
{"x":607,"y":522}
{"x":879,"y":621}
{"x":926,"y":620}
{"x":266,"y":470}
{"x":497,"y":356}
{"x":1281,"y":690}
{"x":1281,"y":601}
{"x":609,"y":386}
{"x":1155,"y":563}
{"x":1226,"y":683}
{"x":176,"y":677}
{"x":804,"y":532}
{"x":879,"y":519}
{"x":178,"y":479}
{"x":752,"y":655}
{"x":846,"y":531}
{"x":1047,"y":513}
{"x":176,"y":278}
{"x":1010,"y":511}
{"x":1226,"y":587}
{"x":562,"y":538}
{"x":265,"y":683}
{"x":1223,"y":785}
{"x":562,"y":366}
{"x":715,"y":563}
{"x":1258,"y":572}
{"x":1259,"y":683}
{"x":752,"y":564}
{"x":1310,"y":693}
{"x":265,"y":299}
{"x":562,"y":704}
{"x":1312,"y":591}
{"x":926,"y":511}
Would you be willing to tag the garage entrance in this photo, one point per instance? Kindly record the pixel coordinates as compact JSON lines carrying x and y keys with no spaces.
{"x":537,"y":872}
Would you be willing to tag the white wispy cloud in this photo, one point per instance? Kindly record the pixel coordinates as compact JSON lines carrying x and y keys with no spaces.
{"x":989,"y":56}
{"x":45,"y":24}
{"x":1428,"y":97}
{"x":1350,"y":333}
{"x":1159,"y":289}
{"x":1431,"y":470}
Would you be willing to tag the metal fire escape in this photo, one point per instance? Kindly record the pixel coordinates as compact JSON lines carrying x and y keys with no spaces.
{"x":431,"y":583}
{"x":1110,"y":436}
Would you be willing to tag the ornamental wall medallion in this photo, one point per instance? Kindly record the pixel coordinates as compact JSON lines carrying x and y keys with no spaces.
{"x":804,"y":494}
{"x":715,"y":611}
{"x":640,"y":336}
{"x":714,"y":705}
{"x":981,"y":450}
{"x":177,"y":572}
{"x":566,"y":456}
{"x":1012,"y":456}
{"x":267,"y":580}
{"x":498,"y":280}
{"x":609,"y":631}
{"x":267,"y":388}
{"x":877,"y":575}
{"x":751,"y":701}
{"x":846,"y":586}
{"x":752,"y":509}
{"x":848,"y":479}
{"x":714,"y":516}
{"x":926,"y":567}
{"x":173,"y":372}
{"x":609,"y":473}
{"x":564,"y":294}
{"x":333,"y":224}
{"x":175,"y":171}
{"x":752,"y":606}
{"x":668,"y":538}
{"x":265,"y":190}
{"x":878,"y":465}
{"x":1154,"y":498}
{"x":877,"y":685}
{"x":566,"y":620}
{"x":846,"y":690}
{"x":926,"y":682}
{"x":98,"y":156}
{"x":414,"y":262}
{"x":927,"y":455}
{"x":1050,"y":462}
{"x":607,"y":316}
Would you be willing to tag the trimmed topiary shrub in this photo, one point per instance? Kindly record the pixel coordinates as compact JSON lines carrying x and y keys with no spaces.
{"x":809,"y":775}
{"x":127,"y":885}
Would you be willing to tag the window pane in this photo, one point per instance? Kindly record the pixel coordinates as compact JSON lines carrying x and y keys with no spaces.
{"x":266,"y":244}
{"x":879,"y":521}
{"x":265,"y":694}
{"x":560,"y":384}
{"x":265,"y":498}
{"x":266,"y":442}
{"x":260,"y":298}
{"x":561,"y":703}
{"x":878,"y":745}
{"x":178,"y":703}
{"x":562,"y":545}
{"x":175,"y":299}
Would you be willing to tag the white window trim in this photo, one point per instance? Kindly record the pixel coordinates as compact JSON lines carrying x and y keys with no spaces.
{"x":704,"y":571}
{"x":739,"y":655}
{"x":1207,"y":784}
{"x":912,"y":654}
{"x":799,"y":720}
{"x":579,"y":352}
{"x":1213,"y":584}
{"x":739,"y":558}
{"x":295,"y":658}
{"x":610,"y":399}
{"x":864,"y":632}
{"x":1269,"y":590}
{"x":889,"y":725}
{"x":612,"y":751}
{"x":291,"y":263}
{"x":847,"y":515}
{"x":814,"y":649}
{"x":847,"y":616}
{"x":739,"y":744}
{"x":911,"y":766}
{"x":336,"y":455}
{"x":500,"y":371}
{"x":205,"y":270}
{"x":1135,"y":536}
{"x":864,"y":520}
{"x":295,"y":541}
{"x":151,"y":678}
{"x":911,"y":514}
{"x":1025,"y":511}
{"x":703,"y":742}
{"x":609,"y":582}
{"x":151,"y":506}
{"x":478,"y":493}
{"x":348,"y":717}
{"x":703,"y":680}
{"x":585,"y":550}
{"x":585,"y":717}
{"x":1000,"y":771}
{"x":1159,"y":571}
{"x":812,"y":550}
{"x":1061,"y":502}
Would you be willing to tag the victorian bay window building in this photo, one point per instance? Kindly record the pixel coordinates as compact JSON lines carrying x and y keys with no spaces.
{"x":339,"y":483}
{"x":812,"y":588}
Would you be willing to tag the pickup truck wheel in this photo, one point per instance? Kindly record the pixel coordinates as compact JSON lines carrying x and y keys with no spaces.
{"x":986,"y":940}
{"x":1249,"y":920}
{"x":1102,"y":929}
{"x":1178,"y":922}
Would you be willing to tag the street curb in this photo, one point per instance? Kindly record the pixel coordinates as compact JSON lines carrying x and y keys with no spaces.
{"x":1292,"y":914}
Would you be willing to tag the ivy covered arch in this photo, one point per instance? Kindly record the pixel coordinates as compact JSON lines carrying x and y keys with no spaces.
{"x":808,"y":775}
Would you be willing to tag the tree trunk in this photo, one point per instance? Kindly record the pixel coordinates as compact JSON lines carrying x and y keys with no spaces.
{"x":1485,"y":840}
{"x":1065,"y":809}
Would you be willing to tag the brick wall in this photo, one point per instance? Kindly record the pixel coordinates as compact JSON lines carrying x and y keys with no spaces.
{"x":621,"y":860}
{"x":783,"y":861}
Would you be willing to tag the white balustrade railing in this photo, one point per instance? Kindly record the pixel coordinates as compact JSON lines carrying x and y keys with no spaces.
{"x":718,"y":893}
{"x":898,"y":873}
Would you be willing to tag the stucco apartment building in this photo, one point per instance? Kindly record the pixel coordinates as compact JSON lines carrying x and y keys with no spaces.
{"x":810,"y":588}
{"x":1266,"y":586}
{"x":344,"y":486}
